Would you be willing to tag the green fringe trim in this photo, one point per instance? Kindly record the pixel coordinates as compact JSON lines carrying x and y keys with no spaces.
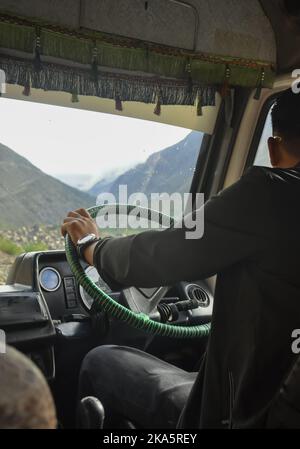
{"x":54,"y":77}
{"x":130,"y":55}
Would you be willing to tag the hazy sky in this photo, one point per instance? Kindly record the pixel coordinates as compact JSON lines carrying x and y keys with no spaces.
{"x":70,"y":141}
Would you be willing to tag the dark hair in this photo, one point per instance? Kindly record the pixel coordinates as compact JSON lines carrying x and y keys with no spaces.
{"x":292,"y":7}
{"x":286,"y":116}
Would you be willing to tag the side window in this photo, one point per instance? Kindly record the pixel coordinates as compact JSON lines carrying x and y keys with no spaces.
{"x":262,"y":156}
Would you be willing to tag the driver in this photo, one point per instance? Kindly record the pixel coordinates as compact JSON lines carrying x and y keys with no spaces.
{"x":251,"y":242}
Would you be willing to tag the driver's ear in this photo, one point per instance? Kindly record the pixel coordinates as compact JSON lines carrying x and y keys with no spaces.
{"x":273,"y":151}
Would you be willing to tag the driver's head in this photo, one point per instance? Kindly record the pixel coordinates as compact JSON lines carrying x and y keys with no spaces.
{"x":284,"y":146}
{"x":25,"y":398}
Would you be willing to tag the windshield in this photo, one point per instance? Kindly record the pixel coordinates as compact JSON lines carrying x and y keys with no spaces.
{"x":56,"y":159}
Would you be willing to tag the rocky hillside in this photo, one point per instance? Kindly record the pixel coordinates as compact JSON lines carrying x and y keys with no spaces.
{"x":28,"y":196}
{"x":170,"y":170}
{"x":26,"y":239}
{"x":6,"y":261}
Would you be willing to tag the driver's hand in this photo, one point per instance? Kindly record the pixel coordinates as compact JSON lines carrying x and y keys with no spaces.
{"x":78,"y":224}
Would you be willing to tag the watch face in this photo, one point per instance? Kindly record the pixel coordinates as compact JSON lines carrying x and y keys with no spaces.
{"x":86,"y":239}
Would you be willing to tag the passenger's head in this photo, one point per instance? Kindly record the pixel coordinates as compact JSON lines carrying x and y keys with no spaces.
{"x":284,"y":146}
{"x":25,"y":398}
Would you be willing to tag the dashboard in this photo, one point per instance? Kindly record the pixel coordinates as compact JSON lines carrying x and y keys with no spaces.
{"x":48,"y":277}
{"x":66,"y":298}
{"x":43,"y":303}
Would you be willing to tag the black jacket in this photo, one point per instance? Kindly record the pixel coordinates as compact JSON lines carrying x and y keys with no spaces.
{"x":252,"y":241}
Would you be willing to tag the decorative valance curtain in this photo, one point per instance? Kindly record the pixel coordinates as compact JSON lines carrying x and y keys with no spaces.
{"x":82,"y":62}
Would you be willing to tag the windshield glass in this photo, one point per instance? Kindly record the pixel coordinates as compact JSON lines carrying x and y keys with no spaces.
{"x":56,"y":159}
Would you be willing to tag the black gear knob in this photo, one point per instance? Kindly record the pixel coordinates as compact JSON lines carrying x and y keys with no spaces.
{"x":90,"y":413}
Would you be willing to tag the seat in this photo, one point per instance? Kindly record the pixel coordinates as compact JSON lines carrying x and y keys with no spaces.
{"x":284,"y":411}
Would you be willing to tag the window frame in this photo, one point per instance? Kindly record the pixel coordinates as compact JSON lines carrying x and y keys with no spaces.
{"x":216,"y":150}
{"x":259,"y":129}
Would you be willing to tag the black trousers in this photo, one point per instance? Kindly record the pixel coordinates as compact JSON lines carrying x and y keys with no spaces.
{"x":135,"y":385}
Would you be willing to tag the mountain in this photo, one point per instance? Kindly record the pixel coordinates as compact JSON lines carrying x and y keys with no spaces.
{"x":28,"y":196}
{"x":169,"y":170}
{"x":78,"y":181}
{"x":103,"y":185}
{"x":106,"y":181}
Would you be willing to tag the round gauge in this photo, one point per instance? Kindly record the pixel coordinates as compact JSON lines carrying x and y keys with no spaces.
{"x":50,"y":279}
{"x":93,"y":274}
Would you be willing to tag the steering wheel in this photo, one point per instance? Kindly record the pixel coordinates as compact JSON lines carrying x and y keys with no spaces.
{"x":140,"y":305}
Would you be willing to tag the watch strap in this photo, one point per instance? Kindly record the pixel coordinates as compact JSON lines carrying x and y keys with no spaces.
{"x":84,"y":246}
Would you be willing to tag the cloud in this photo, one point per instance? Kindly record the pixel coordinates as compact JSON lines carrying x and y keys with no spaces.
{"x":71,"y":141}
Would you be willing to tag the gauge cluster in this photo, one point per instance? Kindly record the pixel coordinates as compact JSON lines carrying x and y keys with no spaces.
{"x":49,"y":279}
{"x":64,"y":296}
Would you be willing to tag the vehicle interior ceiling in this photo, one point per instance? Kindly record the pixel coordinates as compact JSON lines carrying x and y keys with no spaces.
{"x":252,"y":30}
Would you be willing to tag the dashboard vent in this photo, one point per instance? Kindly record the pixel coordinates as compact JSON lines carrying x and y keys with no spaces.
{"x":198,"y":293}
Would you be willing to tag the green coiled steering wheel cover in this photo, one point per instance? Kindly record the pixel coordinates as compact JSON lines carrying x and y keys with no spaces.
{"x":104,"y":302}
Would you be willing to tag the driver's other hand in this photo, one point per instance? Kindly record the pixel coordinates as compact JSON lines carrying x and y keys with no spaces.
{"x":78,"y":224}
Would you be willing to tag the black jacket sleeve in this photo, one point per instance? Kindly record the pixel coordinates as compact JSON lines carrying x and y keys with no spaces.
{"x":233,"y":232}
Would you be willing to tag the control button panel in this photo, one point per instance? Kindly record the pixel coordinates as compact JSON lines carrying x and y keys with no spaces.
{"x":71,"y":294}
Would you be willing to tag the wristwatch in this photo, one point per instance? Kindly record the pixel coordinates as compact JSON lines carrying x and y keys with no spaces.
{"x":84,"y":242}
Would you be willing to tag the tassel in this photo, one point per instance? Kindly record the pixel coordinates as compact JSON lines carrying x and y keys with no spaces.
{"x":199,"y":106}
{"x":26,"y":90}
{"x":188,"y":69}
{"x":94,"y":66}
{"x":118,"y":102}
{"x":226,"y":88}
{"x":75,"y":98}
{"x":257,"y":93}
{"x":157,"y":110}
{"x":260,"y":85}
{"x":37,"y":63}
{"x":190,"y":85}
{"x":94,"y":71}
